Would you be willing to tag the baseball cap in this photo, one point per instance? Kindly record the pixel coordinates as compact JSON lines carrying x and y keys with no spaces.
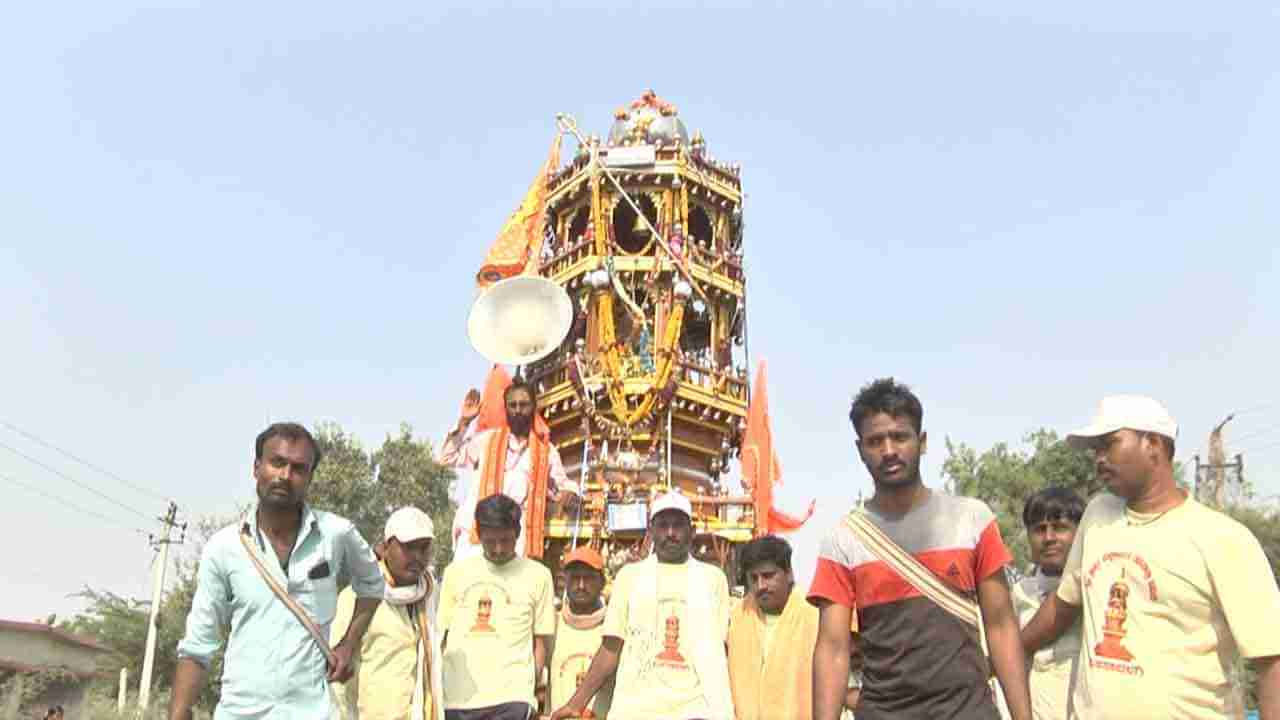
{"x":671,"y":500}
{"x":585,"y":555}
{"x":1118,"y":412}
{"x":408,"y":524}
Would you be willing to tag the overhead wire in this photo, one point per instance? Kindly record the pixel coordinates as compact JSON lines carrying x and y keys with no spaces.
{"x":1256,"y":433}
{"x":82,"y":461}
{"x":71,"y":479}
{"x":71,"y":505}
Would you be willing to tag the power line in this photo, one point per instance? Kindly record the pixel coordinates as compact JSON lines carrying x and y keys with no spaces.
{"x":1257,"y":433}
{"x":64,"y":503}
{"x":65,"y":476}
{"x":1256,"y":408}
{"x":1266,"y":447}
{"x":82,"y":461}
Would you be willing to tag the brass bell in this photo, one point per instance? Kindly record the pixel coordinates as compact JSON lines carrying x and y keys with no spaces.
{"x":639,"y":228}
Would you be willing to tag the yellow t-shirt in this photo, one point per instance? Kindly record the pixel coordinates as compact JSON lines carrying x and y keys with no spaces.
{"x":569,"y":662}
{"x":1170,"y":602}
{"x":1052,"y":666}
{"x":655,"y":677}
{"x":771,"y":623}
{"x":491,"y":614}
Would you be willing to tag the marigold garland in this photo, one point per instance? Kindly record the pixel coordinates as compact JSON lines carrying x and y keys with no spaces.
{"x":613,"y":360}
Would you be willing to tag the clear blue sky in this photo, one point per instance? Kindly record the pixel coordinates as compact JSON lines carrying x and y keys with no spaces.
{"x":215,"y":214}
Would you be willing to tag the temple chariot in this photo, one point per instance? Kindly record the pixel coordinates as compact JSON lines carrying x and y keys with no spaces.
{"x":649,"y":389}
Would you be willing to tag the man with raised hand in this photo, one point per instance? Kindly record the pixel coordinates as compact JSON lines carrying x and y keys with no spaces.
{"x":516,"y":459}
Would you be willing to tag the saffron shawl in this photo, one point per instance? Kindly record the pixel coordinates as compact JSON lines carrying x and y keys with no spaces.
{"x":493,"y":472}
{"x":783,"y":684}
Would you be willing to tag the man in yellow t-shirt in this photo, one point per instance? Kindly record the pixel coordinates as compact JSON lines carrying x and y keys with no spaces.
{"x":664,"y":631}
{"x":578,"y":632}
{"x":1173,"y":593}
{"x":396,"y":672}
{"x":497,"y":618}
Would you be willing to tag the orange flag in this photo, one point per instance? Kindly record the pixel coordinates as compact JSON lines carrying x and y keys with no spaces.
{"x":519,"y":242}
{"x":493,"y":408}
{"x":760,"y":467}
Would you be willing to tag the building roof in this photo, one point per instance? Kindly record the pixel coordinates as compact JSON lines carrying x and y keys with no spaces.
{"x":63,"y":635}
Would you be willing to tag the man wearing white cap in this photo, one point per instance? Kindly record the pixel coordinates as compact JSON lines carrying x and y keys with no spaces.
{"x":396,"y":674}
{"x":664,"y":631}
{"x":1173,"y":593}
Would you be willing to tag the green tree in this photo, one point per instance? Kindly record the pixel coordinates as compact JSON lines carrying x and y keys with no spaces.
{"x":367,"y":487}
{"x":1004,"y":478}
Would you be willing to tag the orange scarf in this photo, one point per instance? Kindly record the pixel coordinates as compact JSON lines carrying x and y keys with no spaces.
{"x":493,"y":472}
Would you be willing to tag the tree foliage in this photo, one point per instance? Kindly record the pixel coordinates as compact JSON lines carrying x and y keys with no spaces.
{"x":1004,"y":478}
{"x":367,"y":487}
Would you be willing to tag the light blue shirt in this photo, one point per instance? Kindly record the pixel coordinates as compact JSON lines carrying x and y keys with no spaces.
{"x":273,"y":668}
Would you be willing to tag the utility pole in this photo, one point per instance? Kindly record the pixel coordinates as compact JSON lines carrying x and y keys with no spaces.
{"x":167,"y":523}
{"x":1212,"y":486}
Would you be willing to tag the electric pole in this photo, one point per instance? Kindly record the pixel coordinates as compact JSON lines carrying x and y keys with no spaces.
{"x":167,"y":523}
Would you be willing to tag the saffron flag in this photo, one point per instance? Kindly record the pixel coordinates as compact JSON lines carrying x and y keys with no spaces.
{"x":519,"y":243}
{"x":760,"y":467}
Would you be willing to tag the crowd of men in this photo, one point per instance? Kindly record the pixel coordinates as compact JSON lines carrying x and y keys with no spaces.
{"x":1141,"y":603}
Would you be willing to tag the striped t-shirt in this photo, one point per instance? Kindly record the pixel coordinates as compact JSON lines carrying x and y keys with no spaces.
{"x":921,"y":661}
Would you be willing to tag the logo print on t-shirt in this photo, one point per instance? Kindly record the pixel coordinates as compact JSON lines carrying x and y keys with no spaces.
{"x":953,"y":571}
{"x":671,"y":642}
{"x":1112,"y":645}
{"x":1129,"y":573}
{"x":484,"y":611}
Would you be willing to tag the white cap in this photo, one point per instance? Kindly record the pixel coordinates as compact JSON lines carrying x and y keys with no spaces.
{"x":671,"y":500}
{"x":1118,"y":412}
{"x":408,"y":524}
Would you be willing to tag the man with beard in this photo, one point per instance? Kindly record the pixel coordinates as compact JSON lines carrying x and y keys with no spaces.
{"x":397,"y":672}
{"x":274,"y":666}
{"x":922,"y":661}
{"x":497,"y":618}
{"x":664,"y":631}
{"x":1173,"y":593}
{"x":771,"y":638}
{"x":516,"y":461}
{"x":578,"y":632}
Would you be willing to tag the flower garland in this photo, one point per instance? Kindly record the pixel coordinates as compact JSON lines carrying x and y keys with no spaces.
{"x":613,"y":360}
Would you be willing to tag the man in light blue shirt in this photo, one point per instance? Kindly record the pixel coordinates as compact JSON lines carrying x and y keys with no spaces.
{"x":273,"y":667}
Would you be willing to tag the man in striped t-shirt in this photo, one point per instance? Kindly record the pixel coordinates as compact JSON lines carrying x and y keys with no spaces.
{"x":921,"y":662}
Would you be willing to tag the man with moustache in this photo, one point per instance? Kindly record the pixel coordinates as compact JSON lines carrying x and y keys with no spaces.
{"x":664,"y":631}
{"x":579,"y":632}
{"x":922,"y":662}
{"x":396,"y":674}
{"x":1170,"y":594}
{"x":771,"y":638}
{"x":273,"y":667}
{"x":516,"y":461}
{"x":498,"y":619}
